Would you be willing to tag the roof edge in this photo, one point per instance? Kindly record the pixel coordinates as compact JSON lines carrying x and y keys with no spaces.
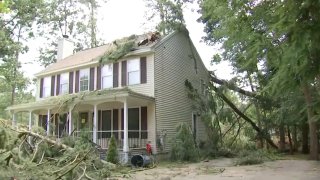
{"x":94,"y":62}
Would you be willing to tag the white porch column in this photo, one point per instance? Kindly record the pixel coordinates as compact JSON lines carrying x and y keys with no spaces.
{"x":70,"y":121}
{"x":30,"y":120}
{"x":48,"y":122}
{"x":14,"y":121}
{"x":95,"y":123}
{"x":125,"y":128}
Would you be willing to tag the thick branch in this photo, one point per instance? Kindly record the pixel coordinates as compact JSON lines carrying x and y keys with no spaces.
{"x":246,"y":118}
{"x":233,"y":87}
{"x":48,"y":140}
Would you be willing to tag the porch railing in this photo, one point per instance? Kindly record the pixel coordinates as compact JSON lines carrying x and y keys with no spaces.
{"x":136,"y":138}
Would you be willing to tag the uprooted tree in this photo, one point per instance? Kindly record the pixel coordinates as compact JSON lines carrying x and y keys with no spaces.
{"x":30,"y":154}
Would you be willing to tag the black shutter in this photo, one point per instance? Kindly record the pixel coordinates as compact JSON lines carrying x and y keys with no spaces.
{"x":143,"y":70}
{"x":53,"y":78}
{"x":98,"y":77}
{"x":115,"y":74}
{"x":144,"y":123}
{"x":41,"y":87}
{"x":124,"y":73}
{"x":91,"y":87}
{"x":71,"y":82}
{"x":77,"y":82}
{"x":115,"y":123}
{"x":58,"y":85}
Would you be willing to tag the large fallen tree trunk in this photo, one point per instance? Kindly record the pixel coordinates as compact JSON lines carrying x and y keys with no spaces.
{"x":246,"y":118}
{"x":231,"y":86}
{"x":23,"y":132}
{"x":48,"y":140}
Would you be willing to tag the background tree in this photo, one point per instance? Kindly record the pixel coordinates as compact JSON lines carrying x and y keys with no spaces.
{"x":75,"y":19}
{"x":275,"y":40}
{"x":169,"y":12}
{"x":16,"y":28}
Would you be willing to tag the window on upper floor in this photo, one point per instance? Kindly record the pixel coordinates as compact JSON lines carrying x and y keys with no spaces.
{"x":46,"y":86}
{"x":64,"y":83}
{"x":202,"y":87}
{"x":107,"y":76}
{"x":84,"y":79}
{"x":133,"y":71}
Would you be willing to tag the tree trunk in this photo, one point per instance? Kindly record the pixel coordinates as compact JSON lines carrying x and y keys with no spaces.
{"x":290,"y":140}
{"x":305,"y":138}
{"x":295,"y":138}
{"x":313,"y":128}
{"x":282,"y":137}
{"x":246,"y":118}
{"x":259,"y":119}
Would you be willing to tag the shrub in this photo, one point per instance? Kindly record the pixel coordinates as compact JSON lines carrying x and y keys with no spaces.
{"x":254,"y":157}
{"x":112,"y":153}
{"x":184,"y":147}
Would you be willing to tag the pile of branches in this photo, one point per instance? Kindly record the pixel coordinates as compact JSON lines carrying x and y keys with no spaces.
{"x":32,"y":155}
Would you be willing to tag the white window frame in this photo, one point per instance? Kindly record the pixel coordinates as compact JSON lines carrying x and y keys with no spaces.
{"x":64,"y":76}
{"x":46,"y":91}
{"x":131,"y":70}
{"x":82,"y":73}
{"x":106,"y":73}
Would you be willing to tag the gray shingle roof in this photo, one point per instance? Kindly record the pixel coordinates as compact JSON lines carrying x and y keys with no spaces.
{"x":93,"y":54}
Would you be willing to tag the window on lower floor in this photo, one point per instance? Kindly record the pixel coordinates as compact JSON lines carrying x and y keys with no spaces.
{"x":137,"y":123}
{"x":133,"y":122}
{"x":104,"y":124}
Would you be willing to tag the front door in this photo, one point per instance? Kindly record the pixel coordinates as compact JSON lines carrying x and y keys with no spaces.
{"x":84,"y":121}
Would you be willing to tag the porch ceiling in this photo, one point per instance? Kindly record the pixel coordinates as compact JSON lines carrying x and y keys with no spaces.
{"x":88,"y":97}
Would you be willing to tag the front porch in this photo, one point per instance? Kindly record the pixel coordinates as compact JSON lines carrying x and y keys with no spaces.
{"x":128,"y":116}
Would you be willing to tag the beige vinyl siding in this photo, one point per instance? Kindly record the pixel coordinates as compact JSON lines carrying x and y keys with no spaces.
{"x":147,"y":88}
{"x":173,"y":65}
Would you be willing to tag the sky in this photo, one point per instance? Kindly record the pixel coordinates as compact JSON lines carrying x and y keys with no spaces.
{"x":121,"y":18}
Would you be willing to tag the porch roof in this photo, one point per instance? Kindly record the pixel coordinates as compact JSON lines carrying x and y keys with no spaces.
{"x":69,"y":100}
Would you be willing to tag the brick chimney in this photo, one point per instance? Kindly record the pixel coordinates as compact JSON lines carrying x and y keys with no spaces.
{"x":65,"y":47}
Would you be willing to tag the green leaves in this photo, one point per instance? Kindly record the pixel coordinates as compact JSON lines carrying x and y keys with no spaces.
{"x":170,"y":14}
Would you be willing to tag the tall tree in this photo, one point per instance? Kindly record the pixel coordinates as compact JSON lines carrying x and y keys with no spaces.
{"x":279,"y":37}
{"x":16,"y":28}
{"x":75,"y":19}
{"x":170,"y":13}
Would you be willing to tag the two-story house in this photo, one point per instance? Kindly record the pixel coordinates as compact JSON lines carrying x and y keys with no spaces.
{"x":138,"y":98}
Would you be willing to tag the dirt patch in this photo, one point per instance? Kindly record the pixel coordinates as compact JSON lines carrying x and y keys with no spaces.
{"x":223,"y":169}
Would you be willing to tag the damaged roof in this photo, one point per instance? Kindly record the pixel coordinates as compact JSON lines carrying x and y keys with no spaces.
{"x":92,"y":55}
